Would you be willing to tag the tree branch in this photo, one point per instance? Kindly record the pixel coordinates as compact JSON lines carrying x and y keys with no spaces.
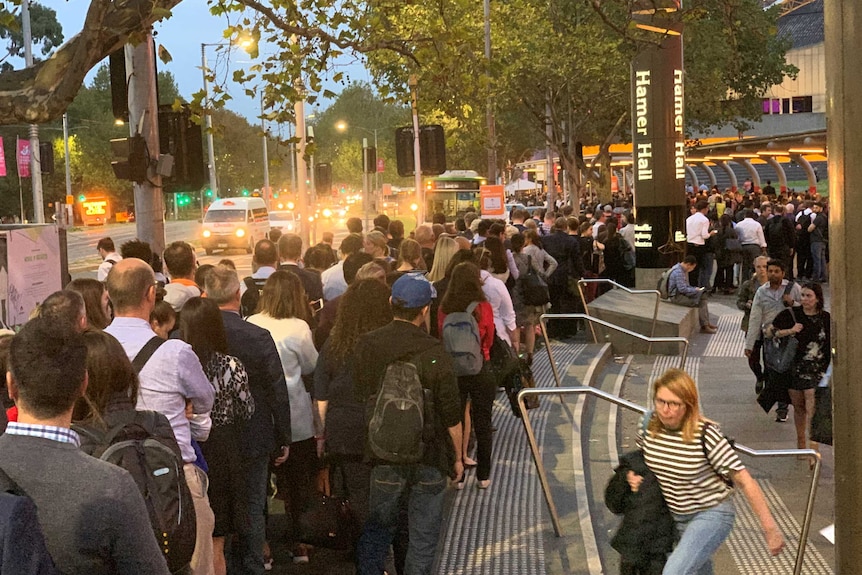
{"x":318,"y":34}
{"x":42,"y":92}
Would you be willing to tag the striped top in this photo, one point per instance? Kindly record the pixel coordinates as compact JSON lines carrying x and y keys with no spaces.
{"x":689,"y":481}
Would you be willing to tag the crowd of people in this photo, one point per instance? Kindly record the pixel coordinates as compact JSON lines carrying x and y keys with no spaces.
{"x":260,"y":386}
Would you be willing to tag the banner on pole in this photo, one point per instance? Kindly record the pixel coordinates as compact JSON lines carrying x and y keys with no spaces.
{"x":2,"y":160}
{"x":23,"y":158}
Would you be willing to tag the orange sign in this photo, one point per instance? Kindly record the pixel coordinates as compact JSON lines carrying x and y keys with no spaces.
{"x":492,"y":201}
{"x":615,"y":184}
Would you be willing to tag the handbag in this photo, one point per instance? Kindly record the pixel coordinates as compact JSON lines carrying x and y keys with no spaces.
{"x":780,"y":352}
{"x":821,"y":420}
{"x":522,"y":378}
{"x":328,"y":521}
{"x":533,"y":288}
{"x":733,"y":245}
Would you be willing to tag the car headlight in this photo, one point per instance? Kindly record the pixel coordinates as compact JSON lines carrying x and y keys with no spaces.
{"x":207,"y":233}
{"x":327,"y":213}
{"x":240,"y":233}
{"x":289,"y":226}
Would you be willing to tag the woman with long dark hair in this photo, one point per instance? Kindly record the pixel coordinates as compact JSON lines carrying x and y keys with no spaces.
{"x":811,"y":325}
{"x":282,"y":311}
{"x":465,"y":290}
{"x":364,"y":307}
{"x":96,"y":301}
{"x":725,"y":255}
{"x":615,"y":250}
{"x":201,"y":326}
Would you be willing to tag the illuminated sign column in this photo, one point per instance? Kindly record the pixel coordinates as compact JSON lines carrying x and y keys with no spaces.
{"x":658,"y":148}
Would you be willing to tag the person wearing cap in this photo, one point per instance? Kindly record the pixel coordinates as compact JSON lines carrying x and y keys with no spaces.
{"x":421,"y":484}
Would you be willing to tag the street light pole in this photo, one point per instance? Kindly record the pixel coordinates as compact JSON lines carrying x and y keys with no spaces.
{"x":413,"y":81}
{"x":268,"y":193}
{"x":492,"y":131}
{"x":65,"y":214}
{"x":209,"y":123}
{"x":35,"y":155}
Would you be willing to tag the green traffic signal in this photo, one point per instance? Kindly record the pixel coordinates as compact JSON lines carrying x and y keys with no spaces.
{"x":82,"y":197}
{"x":244,"y":192}
{"x":209,"y":193}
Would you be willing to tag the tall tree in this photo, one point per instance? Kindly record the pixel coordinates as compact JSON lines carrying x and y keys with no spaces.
{"x":46,"y":32}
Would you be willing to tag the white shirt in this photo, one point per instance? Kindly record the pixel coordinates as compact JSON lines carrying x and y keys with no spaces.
{"x":697,"y":229}
{"x":172,"y":375}
{"x":262,"y":273}
{"x":110,"y":259}
{"x":333,"y":281}
{"x":501,"y":304}
{"x":295,"y":347}
{"x":749,"y":231}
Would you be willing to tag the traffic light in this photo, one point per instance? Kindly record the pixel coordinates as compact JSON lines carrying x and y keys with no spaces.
{"x":180,"y":137}
{"x":46,"y":157}
{"x":432,"y":150}
{"x":369,"y":160}
{"x":245,"y":192}
{"x":209,"y":193}
{"x":323,"y":178}
{"x":132,"y":158}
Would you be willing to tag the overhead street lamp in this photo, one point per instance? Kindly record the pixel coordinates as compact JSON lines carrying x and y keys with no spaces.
{"x":342,"y":126}
{"x":245,"y":43}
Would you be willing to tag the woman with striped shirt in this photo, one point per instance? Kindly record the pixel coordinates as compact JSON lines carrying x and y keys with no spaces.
{"x":697,"y":468}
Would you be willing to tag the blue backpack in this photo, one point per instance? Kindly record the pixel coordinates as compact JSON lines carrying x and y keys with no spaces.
{"x":461,"y":339}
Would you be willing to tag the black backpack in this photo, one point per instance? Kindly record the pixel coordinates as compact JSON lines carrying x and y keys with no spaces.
{"x":775,"y":233}
{"x":156,"y":466}
{"x":251,"y":297}
{"x":400,"y":415}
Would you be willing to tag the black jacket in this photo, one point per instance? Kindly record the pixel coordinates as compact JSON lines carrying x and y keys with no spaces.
{"x":647,"y":529}
{"x":403,"y":340}
{"x":566,"y":250}
{"x":269,"y":427}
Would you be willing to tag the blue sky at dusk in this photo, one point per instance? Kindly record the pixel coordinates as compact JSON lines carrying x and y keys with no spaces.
{"x":182,"y":35}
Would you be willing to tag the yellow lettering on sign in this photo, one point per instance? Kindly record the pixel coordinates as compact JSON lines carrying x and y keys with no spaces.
{"x":95,"y":208}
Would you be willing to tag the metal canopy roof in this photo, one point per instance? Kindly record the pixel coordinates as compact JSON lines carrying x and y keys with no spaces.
{"x":785,"y":145}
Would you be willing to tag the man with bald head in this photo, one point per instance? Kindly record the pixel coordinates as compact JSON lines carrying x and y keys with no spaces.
{"x":170,"y":377}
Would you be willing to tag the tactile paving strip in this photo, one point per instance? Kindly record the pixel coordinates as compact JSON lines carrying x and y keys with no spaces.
{"x":747,"y":546}
{"x":499,"y":531}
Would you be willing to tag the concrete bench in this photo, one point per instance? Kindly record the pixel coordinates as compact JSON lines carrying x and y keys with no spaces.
{"x":634,"y":312}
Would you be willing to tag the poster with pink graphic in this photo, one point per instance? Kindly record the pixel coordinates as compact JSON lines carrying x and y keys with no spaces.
{"x":2,"y":160}
{"x":23,"y":158}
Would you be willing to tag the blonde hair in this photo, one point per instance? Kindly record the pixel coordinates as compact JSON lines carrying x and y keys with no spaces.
{"x":444,"y":250}
{"x":681,"y":385}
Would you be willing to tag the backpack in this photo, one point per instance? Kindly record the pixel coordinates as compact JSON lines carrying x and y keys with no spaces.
{"x":23,"y":550}
{"x":400,"y":415}
{"x":534,"y":288}
{"x":775,"y":237}
{"x":248,"y":303}
{"x":460,"y":335}
{"x":662,"y":283}
{"x":157,"y":468}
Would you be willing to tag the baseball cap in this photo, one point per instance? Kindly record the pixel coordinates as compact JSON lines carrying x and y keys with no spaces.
{"x":608,"y":208}
{"x":412,"y":291}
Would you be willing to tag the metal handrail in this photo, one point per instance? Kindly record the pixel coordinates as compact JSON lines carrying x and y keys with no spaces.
{"x":657,"y":294}
{"x":586,"y":390}
{"x":546,"y":316}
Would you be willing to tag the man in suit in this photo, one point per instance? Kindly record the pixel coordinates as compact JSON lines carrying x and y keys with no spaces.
{"x":290,"y":252}
{"x":92,"y":513}
{"x":266,"y":433}
{"x":567,"y":251}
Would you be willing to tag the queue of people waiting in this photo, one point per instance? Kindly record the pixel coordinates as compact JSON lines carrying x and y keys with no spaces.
{"x":287,"y":374}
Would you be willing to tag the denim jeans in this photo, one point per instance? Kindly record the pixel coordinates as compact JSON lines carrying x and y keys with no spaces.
{"x":423,"y":486}
{"x":701,"y":534}
{"x":818,"y":257}
{"x":250,"y":522}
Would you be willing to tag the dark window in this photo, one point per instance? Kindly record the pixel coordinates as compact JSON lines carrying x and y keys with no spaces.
{"x":802,"y":104}
{"x":785,"y":105}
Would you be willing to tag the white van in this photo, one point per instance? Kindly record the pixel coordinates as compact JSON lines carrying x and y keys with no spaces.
{"x":234,"y":223}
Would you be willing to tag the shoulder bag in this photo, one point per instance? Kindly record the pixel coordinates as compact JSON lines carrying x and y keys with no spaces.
{"x":780,"y":352}
{"x":533,"y":287}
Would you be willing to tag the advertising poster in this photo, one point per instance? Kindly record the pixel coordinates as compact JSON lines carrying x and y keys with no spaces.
{"x":2,"y":160}
{"x":492,"y":201}
{"x":32,"y":272}
{"x":23,"y":156}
